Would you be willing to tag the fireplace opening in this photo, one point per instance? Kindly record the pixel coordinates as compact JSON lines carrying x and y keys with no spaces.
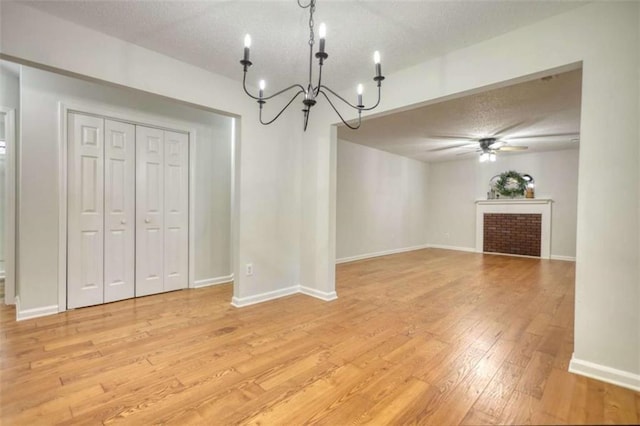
{"x":512,"y":233}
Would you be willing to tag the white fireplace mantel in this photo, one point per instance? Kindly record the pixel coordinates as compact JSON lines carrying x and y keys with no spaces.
{"x":540,"y":206}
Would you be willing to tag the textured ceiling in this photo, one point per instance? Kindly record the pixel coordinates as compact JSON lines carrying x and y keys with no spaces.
{"x":542,"y":114}
{"x":209,"y":34}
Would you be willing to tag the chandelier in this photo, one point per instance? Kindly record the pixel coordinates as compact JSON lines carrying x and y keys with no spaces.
{"x":309,"y":91}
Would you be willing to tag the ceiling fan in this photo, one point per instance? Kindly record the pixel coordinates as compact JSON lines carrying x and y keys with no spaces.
{"x":487,"y":147}
{"x":499,"y":141}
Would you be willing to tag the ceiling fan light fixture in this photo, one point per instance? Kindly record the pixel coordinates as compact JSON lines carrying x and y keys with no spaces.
{"x":487,"y":156}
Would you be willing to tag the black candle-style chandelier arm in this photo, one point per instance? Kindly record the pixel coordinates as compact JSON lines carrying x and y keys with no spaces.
{"x":351,"y":105}
{"x":377,"y":102}
{"x":337,"y":112}
{"x":244,"y":86}
{"x":337,"y":96}
{"x":281,"y":111}
{"x":293,"y":86}
{"x":307,"y":6}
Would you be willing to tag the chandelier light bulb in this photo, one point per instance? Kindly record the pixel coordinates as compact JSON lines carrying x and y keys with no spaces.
{"x":360,"y":89}
{"x":376,"y":60}
{"x":262,"y":84}
{"x":322,"y":31}
{"x":247,"y":44}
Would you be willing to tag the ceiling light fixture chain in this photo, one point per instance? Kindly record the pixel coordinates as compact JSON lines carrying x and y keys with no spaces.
{"x":311,"y":92}
{"x":312,"y":9}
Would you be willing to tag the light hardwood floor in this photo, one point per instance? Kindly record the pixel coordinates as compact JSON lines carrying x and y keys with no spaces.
{"x":431,"y":336}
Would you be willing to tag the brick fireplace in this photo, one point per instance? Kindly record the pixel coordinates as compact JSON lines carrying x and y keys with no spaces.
{"x":514,"y":226}
{"x":512,"y":233}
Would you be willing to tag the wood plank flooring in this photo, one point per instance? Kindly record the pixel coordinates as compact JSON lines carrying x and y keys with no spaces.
{"x":431,"y":337}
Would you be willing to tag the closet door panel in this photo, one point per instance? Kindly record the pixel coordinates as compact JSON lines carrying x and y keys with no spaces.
{"x":176,"y":232}
{"x":149,"y":211}
{"x":119,"y":208}
{"x":85,"y":210}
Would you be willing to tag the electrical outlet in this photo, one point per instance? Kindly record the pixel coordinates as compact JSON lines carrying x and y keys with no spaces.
{"x":249,"y":269}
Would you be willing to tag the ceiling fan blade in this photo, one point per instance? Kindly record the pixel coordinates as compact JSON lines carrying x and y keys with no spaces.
{"x":469,"y":152}
{"x":449,"y":137}
{"x":547,"y":135}
{"x":512,"y":148}
{"x":444,"y":148}
{"x":511,"y":127}
{"x":497,"y":145}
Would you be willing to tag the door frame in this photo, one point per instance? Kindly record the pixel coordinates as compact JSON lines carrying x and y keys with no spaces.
{"x":129,"y":116}
{"x":10,"y":206}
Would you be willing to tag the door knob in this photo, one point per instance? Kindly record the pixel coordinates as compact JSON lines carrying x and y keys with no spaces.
{"x":147,"y":220}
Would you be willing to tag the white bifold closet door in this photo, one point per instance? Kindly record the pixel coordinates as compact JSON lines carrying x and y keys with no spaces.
{"x":161,"y":210}
{"x":101,"y":210}
{"x":176,"y":211}
{"x":127,"y":224}
{"x":85,"y":254}
{"x":119,"y":210}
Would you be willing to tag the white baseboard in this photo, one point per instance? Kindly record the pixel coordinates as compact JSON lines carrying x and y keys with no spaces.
{"x":493,"y":253}
{"x":240,"y":302}
{"x":380,"y":253}
{"x":34,"y":312}
{"x":473,"y":250}
{"x":456,"y":248}
{"x":565,"y":258}
{"x":605,"y":374}
{"x":322,"y":295}
{"x":212,"y":281}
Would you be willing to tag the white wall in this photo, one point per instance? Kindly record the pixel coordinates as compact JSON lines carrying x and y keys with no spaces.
{"x":41,"y":92}
{"x":318,"y":203}
{"x":266,"y":160}
{"x":9,"y":87}
{"x":380,"y":202}
{"x":451,"y":209}
{"x":455,"y":185}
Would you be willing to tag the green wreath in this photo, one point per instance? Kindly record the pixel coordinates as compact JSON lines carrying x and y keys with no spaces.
{"x":511,"y":184}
